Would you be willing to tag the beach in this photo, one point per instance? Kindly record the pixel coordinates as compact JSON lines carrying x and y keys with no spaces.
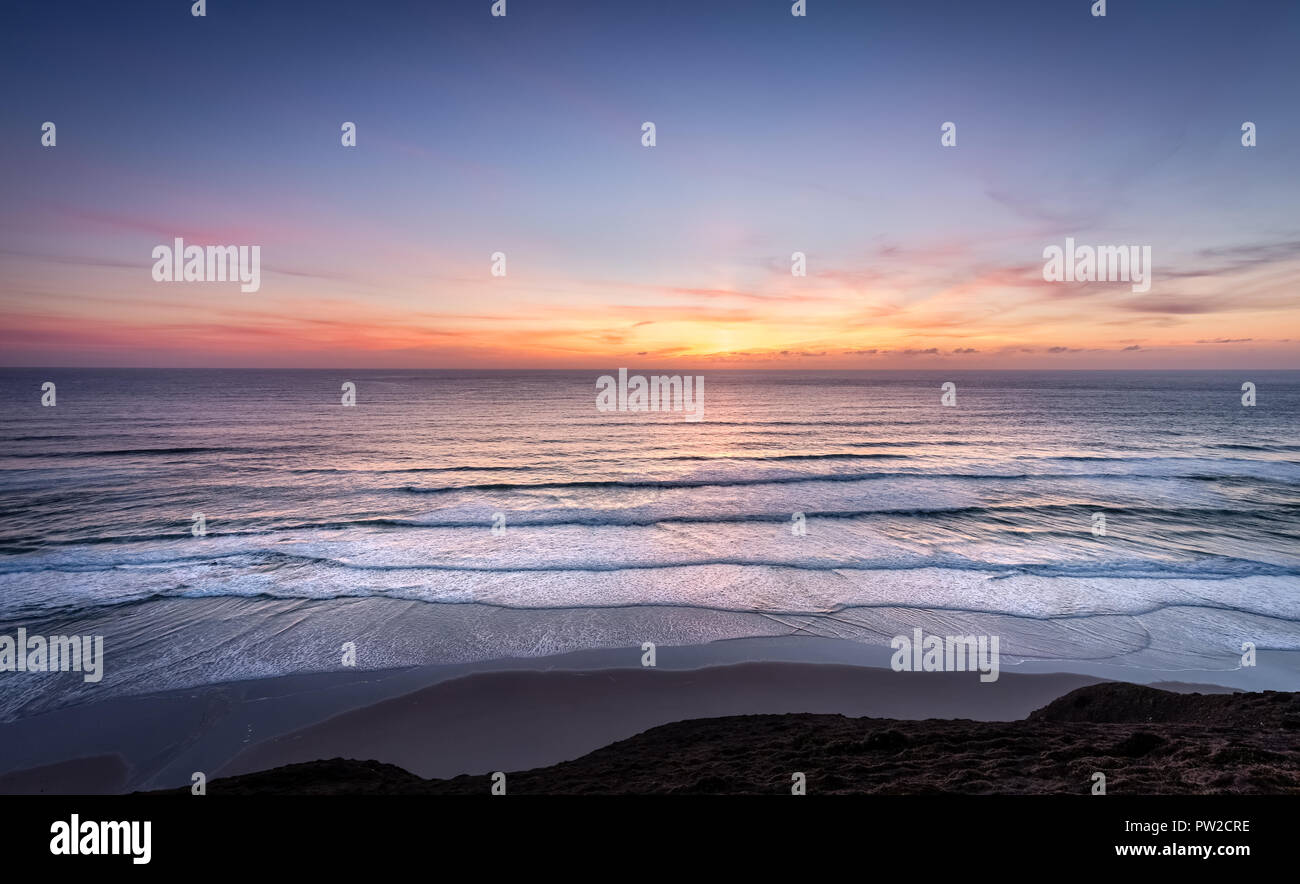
{"x":1103,"y":739}
{"x":442,"y":722}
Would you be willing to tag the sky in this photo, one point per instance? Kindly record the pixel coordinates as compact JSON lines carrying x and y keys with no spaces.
{"x":774,"y":134}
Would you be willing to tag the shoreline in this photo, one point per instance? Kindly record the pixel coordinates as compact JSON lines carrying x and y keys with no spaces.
{"x":447,"y":720}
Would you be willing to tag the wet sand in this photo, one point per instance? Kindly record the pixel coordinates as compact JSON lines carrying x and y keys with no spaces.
{"x":514,"y":715}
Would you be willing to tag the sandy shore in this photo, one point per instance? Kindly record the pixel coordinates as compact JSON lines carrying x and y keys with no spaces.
{"x":519,"y":720}
{"x":1142,"y":740}
{"x":446,"y":721}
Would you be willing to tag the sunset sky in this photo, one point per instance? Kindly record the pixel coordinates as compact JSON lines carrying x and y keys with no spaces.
{"x":775,"y":134}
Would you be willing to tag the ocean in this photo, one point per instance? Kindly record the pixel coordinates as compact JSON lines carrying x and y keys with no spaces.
{"x":374,"y":524}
